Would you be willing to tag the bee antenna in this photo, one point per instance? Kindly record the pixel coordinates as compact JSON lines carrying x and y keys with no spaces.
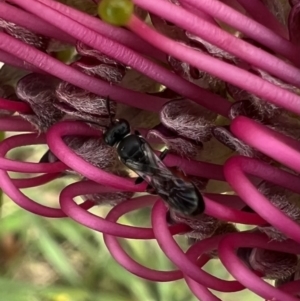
{"x":108,"y":109}
{"x":95,"y":123}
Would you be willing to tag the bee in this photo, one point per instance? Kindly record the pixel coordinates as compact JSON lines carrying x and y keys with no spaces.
{"x":180,"y":194}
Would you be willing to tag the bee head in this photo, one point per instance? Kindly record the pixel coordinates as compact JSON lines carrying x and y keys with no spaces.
{"x":117,"y":132}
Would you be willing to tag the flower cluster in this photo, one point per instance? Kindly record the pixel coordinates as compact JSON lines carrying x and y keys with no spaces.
{"x":206,"y":76}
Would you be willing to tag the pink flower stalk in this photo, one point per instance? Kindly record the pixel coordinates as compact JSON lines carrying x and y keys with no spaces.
{"x":216,"y":82}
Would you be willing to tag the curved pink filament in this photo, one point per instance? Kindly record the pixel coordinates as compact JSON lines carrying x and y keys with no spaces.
{"x":17,"y":166}
{"x":268,"y":141}
{"x":108,"y":226}
{"x":227,"y":253}
{"x":131,"y":265}
{"x":235,"y":170}
{"x":178,"y":257}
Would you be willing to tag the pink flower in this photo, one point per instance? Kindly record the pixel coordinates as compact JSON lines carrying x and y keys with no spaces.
{"x":206,"y":76}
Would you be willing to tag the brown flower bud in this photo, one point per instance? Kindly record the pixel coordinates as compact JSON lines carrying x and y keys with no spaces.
{"x":187,"y":119}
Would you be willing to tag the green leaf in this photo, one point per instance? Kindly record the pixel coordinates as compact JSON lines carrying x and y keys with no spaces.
{"x":14,"y":291}
{"x":73,"y":233}
{"x":16,"y":221}
{"x":54,"y":254}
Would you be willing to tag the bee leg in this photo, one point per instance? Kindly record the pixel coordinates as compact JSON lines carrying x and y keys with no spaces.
{"x":138,"y":180}
{"x":108,"y":109}
{"x":180,"y":170}
{"x":137,"y":133}
{"x":45,"y":157}
{"x":150,"y":190}
{"x":163,"y":154}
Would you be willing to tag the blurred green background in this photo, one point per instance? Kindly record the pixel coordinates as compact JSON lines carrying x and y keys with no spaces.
{"x":59,"y":260}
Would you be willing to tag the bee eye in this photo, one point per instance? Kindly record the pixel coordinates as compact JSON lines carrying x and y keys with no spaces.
{"x":108,"y":139}
{"x":117,"y":132}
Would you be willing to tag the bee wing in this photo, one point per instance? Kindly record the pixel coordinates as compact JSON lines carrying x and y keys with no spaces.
{"x":154,"y":159}
{"x":181,"y":195}
{"x":143,"y":170}
{"x":155,"y":168}
{"x":186,"y":199}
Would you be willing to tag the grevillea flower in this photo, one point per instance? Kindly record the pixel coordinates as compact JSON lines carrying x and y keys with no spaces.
{"x":216,"y":82}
